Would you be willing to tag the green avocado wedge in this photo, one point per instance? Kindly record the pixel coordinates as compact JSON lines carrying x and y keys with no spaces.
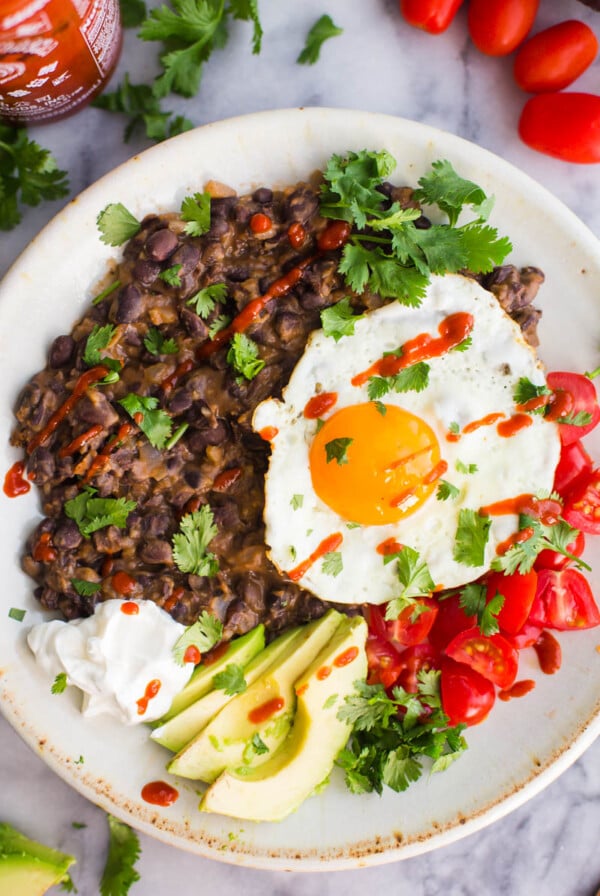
{"x":276,"y":788}
{"x":239,"y":651}
{"x":184,"y":727}
{"x":28,"y":868}
{"x":253,"y":725}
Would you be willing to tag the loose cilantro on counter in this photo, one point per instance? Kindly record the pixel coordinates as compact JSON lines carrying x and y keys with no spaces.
{"x":116,"y":224}
{"x":91,"y":513}
{"x":28,"y":174}
{"x":203,"y":634}
{"x":243,"y":356}
{"x":155,"y":423}
{"x":123,"y":852}
{"x":139,"y":102}
{"x":389,"y":254}
{"x":387,"y":746}
{"x":323,"y":29}
{"x":339,"y":320}
{"x":196,"y":531}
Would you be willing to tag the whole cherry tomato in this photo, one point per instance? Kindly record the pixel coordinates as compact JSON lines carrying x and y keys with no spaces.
{"x":497,"y":27}
{"x":554,"y":58}
{"x":563,"y":125}
{"x":433,"y":16}
{"x":467,"y":696}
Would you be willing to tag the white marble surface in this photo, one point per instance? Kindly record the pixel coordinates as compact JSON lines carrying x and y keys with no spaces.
{"x":550,"y":845}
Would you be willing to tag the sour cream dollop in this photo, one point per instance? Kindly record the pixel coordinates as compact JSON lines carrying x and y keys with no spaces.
{"x":121,"y":658}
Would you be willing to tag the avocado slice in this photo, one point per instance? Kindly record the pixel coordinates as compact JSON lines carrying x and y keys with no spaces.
{"x":239,"y":651}
{"x":252,"y":725}
{"x":276,"y":788}
{"x":28,"y":868}
{"x":183,"y":727}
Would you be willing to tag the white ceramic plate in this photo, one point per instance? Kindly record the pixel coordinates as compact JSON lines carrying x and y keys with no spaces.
{"x":525,"y":743}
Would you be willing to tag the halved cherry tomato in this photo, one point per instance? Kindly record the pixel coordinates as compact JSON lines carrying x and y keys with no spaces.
{"x":526,"y":637}
{"x":467,"y":697}
{"x":433,"y":16}
{"x":552,"y":560}
{"x":497,"y":27}
{"x":518,"y":591}
{"x":403,"y":631}
{"x":413,"y":660}
{"x":582,"y":504}
{"x":490,"y":655}
{"x":573,"y":394}
{"x":563,"y":125}
{"x":564,"y":601}
{"x":450,"y":620}
{"x":574,"y":461}
{"x":555,"y":57}
{"x":383,"y":662}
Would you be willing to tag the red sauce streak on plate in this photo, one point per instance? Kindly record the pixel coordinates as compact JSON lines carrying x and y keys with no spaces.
{"x":14,"y":483}
{"x":345,"y":658}
{"x":319,"y":404}
{"x":226,"y":479}
{"x":296,"y":235}
{"x":484,"y":421}
{"x":85,"y":381}
{"x":152,"y":689}
{"x":453,"y":330}
{"x":266,"y":710}
{"x":514,"y":424}
{"x":260,"y":223}
{"x":80,"y":441}
{"x":548,"y":652}
{"x":44,"y":551}
{"x":518,"y":689}
{"x":323,"y":673}
{"x":534,"y":404}
{"x":130,"y":608}
{"x":331,"y":543}
{"x":159,"y":793}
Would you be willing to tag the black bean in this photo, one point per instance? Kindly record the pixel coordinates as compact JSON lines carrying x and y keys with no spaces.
{"x":200,"y":438}
{"x":263,"y":195}
{"x":288,"y":326}
{"x":193,"y":324}
{"x":157,"y":551}
{"x":161,"y":244}
{"x":61,"y":351}
{"x":41,"y":465}
{"x":227,"y":516}
{"x":220,"y":207}
{"x":238,"y":274}
{"x":301,"y":205}
{"x":67,"y":536}
{"x":180,"y":401}
{"x":94,"y":408}
{"x":218,"y":228}
{"x":422,"y":223}
{"x":146,"y":271}
{"x":155,"y":524}
{"x":252,"y":589}
{"x":311,"y":300}
{"x":187,"y":256}
{"x":129,"y":304}
{"x":242,"y":214}
{"x":192,"y":477}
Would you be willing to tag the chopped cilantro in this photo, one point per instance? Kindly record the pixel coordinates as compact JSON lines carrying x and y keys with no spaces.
{"x":78,"y":825}
{"x":231,"y":680}
{"x":581,"y":418}
{"x":331,"y":701}
{"x":85,"y":588}
{"x":468,"y":469}
{"x":243,"y":356}
{"x":156,"y":343}
{"x":450,"y":192}
{"x":116,"y":224}
{"x":119,"y":872}
{"x":339,"y":320}
{"x":106,"y":292}
{"x":196,"y":531}
{"x":99,"y":339}
{"x":143,"y":108}
{"x":171,"y":275}
{"x":297,"y":502}
{"x":171,"y":442}
{"x":258,"y":745}
{"x":454,"y":428}
{"x":464,"y":345}
{"x":17,"y":614}
{"x":473,"y":600}
{"x":332,"y":563}
{"x":337,"y":450}
{"x":155,"y":423}
{"x":446,"y":490}
{"x":218,"y":324}
{"x":206,"y":299}
{"x":472,"y":535}
{"x":196,"y":211}
{"x":322,"y":30}
{"x":412,"y":379}
{"x":133,"y":13}
{"x":415,"y":579}
{"x":525,"y":391}
{"x":60,"y":683}
{"x":380,"y":408}
{"x":91,"y":513}
{"x":521,"y":556}
{"x":203,"y":634}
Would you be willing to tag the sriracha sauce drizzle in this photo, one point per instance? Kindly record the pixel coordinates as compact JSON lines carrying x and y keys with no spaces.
{"x":159,"y":793}
{"x":14,"y":482}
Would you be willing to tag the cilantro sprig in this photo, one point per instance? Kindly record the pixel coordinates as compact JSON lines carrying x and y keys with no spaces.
{"x":387,"y":253}
{"x":339,"y":320}
{"x":157,"y":344}
{"x":99,"y":339}
{"x":415,"y":580}
{"x":203,"y":634}
{"x":231,"y":680}
{"x":117,"y":224}
{"x":473,"y":600}
{"x":207,"y":298}
{"x":140,"y":104}
{"x":323,"y":29}
{"x":243,"y":357}
{"x":155,"y":423}
{"x":196,"y":531}
{"x":521,"y":556}
{"x":412,"y":379}
{"x":92,"y":513}
{"x":337,"y":450}
{"x":195,"y":210}
{"x":472,"y":534}
{"x":28,"y":175}
{"x":123,"y":852}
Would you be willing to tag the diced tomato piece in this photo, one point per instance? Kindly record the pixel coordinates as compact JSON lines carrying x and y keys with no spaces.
{"x":526,"y":637}
{"x":574,"y":462}
{"x":450,"y":620}
{"x":467,"y":697}
{"x":383,"y":662}
{"x":582,"y":504}
{"x":403,"y":631}
{"x":564,"y":601}
{"x":490,"y":655}
{"x":518,"y":591}
{"x":553,"y":560}
{"x":574,"y":394}
{"x":413,"y":660}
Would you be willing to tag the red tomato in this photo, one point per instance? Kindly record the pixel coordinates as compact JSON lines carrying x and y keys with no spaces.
{"x":553,"y":560}
{"x":563,"y":125}
{"x":383,"y":662}
{"x":573,"y":394}
{"x":433,"y":16}
{"x":467,"y":696}
{"x":413,"y":660}
{"x":490,"y":655}
{"x":403,"y":632}
{"x":564,"y":601}
{"x":555,"y":57}
{"x":497,"y":27}
{"x":574,"y":461}
{"x":518,"y":591}
{"x":528,"y":635}
{"x":450,"y":620}
{"x":582,"y":504}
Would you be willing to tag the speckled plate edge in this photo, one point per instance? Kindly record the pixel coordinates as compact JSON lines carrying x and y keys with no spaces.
{"x":278,"y":147}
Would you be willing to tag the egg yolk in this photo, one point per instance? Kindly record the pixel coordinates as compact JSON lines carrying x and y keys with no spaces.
{"x":375,"y":463}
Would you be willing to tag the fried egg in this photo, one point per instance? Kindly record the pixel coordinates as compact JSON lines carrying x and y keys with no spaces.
{"x":357,"y":472}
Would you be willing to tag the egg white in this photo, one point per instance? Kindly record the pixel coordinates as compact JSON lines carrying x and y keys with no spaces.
{"x":463,"y":387}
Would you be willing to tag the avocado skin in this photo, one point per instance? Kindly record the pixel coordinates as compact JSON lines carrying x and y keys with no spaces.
{"x":275,"y":789}
{"x":28,"y":868}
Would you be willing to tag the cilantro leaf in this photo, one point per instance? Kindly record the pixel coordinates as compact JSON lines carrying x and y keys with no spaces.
{"x":196,"y":531}
{"x":85,"y":588}
{"x":142,"y":106}
{"x":581,"y":418}
{"x":133,"y":13}
{"x":521,"y":556}
{"x":116,"y":224}
{"x":28,"y":174}
{"x":415,"y":579}
{"x":349,"y":190}
{"x":332,"y":563}
{"x":297,"y":502}
{"x":446,"y":189}
{"x":258,"y":745}
{"x":218,"y":324}
{"x":155,"y":423}
{"x":339,"y":320}
{"x":231,"y":680}
{"x":525,"y":391}
{"x":322,"y":30}
{"x":196,"y":211}
{"x":99,"y":339}
{"x":60,"y":683}
{"x":156,"y":343}
{"x":91,"y":513}
{"x":243,"y":356}
{"x":171,"y":275}
{"x":337,"y":450}
{"x":446,"y":490}
{"x":467,"y":469}
{"x":473,"y":600}
{"x":203,"y":634}
{"x":123,"y":852}
{"x":484,"y":249}
{"x":17,"y":614}
{"x":472,"y":535}
{"x":206,"y":299}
